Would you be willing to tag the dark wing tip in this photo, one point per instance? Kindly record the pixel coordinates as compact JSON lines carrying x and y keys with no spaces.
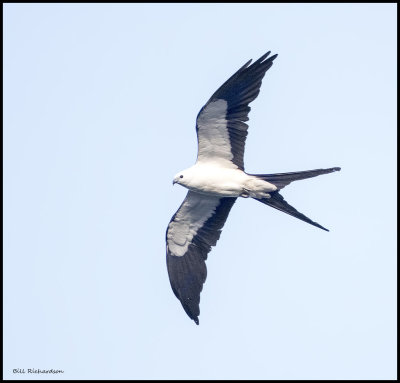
{"x":272,"y":58}
{"x":247,"y":64}
{"x":265,"y":61}
{"x":263,"y":57}
{"x":196,"y":320}
{"x":337,"y":169}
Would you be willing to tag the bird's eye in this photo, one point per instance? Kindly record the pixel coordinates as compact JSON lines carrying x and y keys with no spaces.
{"x":180,"y":176}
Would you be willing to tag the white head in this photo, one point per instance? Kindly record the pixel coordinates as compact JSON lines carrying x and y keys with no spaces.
{"x":182,"y":178}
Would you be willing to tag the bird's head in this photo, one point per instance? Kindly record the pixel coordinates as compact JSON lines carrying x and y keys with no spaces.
{"x":181,"y":178}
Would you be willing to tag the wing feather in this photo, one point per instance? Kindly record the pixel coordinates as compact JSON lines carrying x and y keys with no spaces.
{"x":220,"y":125}
{"x":191,"y":233}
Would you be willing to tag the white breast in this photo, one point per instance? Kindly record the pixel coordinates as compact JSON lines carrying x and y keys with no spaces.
{"x":222,"y":181}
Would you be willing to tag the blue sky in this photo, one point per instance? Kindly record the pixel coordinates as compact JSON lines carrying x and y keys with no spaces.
{"x":100,"y":103}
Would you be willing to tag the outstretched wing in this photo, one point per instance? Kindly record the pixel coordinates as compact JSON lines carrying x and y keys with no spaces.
{"x":220,"y":125}
{"x":193,"y":229}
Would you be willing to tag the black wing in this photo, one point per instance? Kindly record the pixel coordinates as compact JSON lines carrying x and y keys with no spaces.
{"x":221,"y":128}
{"x":193,"y":229}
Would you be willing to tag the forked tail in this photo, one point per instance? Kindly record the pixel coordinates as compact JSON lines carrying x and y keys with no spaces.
{"x":280,"y":180}
{"x":276,"y":201}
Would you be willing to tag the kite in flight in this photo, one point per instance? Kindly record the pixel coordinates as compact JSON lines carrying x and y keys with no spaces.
{"x":217,"y":179}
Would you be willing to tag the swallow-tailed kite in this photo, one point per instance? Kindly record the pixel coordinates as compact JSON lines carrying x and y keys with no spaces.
{"x":217,"y":179}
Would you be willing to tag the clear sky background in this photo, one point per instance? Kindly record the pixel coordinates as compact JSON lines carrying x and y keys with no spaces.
{"x":100,"y":104}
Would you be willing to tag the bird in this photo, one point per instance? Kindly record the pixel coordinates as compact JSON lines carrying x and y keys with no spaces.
{"x":217,"y":180}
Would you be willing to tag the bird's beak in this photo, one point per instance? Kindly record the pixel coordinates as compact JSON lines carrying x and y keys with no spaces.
{"x":173,"y":182}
